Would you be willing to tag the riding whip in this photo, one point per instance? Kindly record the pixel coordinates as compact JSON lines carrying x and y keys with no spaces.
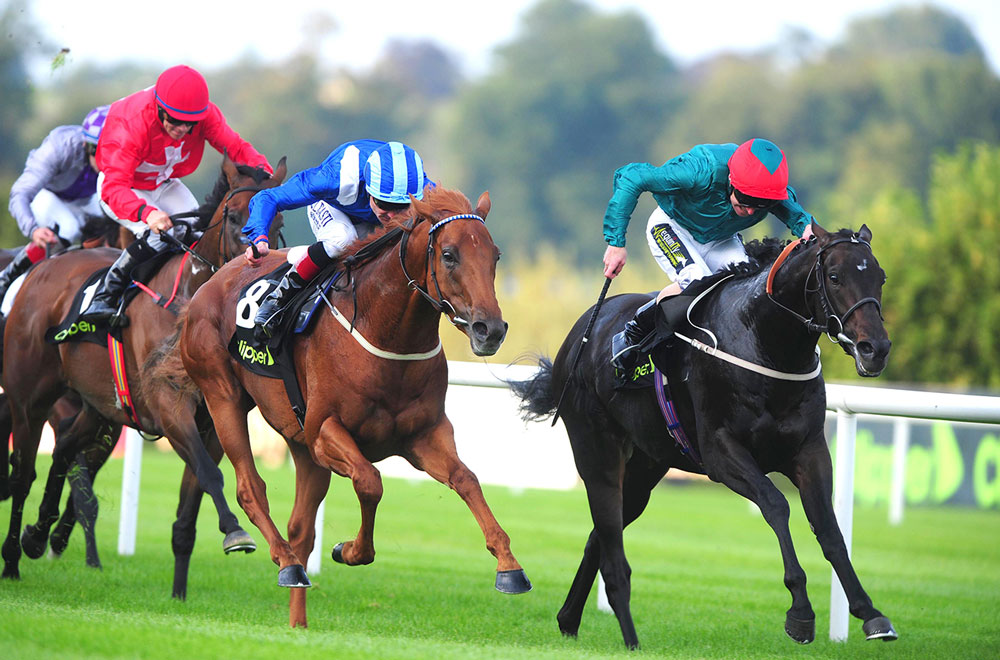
{"x":583,"y":344}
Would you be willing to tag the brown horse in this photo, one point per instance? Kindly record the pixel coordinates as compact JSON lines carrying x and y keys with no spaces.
{"x":373,"y":392}
{"x":98,"y":231}
{"x":38,"y":373}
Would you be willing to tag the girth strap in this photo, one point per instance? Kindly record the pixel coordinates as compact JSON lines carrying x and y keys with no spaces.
{"x":122,"y":391}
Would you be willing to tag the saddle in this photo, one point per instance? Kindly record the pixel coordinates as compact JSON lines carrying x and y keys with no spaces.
{"x":73,"y":329}
{"x":273,"y":359}
{"x":656,"y":347}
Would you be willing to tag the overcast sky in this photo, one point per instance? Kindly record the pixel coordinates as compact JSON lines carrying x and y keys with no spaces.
{"x":210,"y":34}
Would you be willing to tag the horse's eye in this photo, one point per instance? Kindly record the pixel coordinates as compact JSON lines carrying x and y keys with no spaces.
{"x":834,"y":278}
{"x":449,"y":258}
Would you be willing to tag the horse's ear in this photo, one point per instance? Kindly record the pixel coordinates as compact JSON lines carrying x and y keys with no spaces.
{"x":483,"y":205}
{"x":420,"y":208}
{"x":818,"y":231}
{"x":865,"y":234}
{"x":229,"y":169}
{"x":281,"y":170}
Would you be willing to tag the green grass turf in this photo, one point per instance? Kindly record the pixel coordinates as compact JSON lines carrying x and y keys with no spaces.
{"x":706,"y":581}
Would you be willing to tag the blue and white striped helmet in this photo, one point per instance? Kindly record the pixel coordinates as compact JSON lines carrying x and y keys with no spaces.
{"x":94,"y":122}
{"x":393,"y":172}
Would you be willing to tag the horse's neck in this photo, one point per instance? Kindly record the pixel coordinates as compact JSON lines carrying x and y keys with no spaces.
{"x":780,"y":340}
{"x":390,"y":312}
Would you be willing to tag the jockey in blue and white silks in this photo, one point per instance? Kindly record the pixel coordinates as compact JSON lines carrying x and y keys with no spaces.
{"x":360,"y":185}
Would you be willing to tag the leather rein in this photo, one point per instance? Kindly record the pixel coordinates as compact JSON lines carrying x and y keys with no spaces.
{"x":222,"y":235}
{"x":834,"y":326}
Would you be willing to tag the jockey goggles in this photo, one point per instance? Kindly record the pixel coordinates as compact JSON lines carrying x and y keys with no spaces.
{"x":174,"y":121}
{"x":752,"y":202}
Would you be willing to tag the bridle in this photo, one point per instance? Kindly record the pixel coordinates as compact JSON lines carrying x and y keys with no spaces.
{"x":439,"y":303}
{"x":834,"y":323}
{"x":223,"y":237}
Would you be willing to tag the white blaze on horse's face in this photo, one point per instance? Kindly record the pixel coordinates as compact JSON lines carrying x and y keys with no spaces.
{"x":863,"y":265}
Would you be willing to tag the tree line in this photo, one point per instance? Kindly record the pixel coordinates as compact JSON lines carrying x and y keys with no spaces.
{"x":896,"y":124}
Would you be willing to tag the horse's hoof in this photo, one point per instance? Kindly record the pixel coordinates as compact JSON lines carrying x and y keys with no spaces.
{"x":338,"y":553}
{"x":513,"y":582}
{"x":802,"y":631}
{"x":11,"y":573}
{"x":31,"y":544}
{"x":880,"y":628}
{"x":238,"y":541}
{"x":293,"y":575}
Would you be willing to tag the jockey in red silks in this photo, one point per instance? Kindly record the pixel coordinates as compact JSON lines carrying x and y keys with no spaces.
{"x":150,"y":140}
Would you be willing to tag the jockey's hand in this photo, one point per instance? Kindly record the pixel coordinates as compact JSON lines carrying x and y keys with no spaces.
{"x":262,"y":251}
{"x":159,"y":221}
{"x":614,"y":261}
{"x":807,"y":234}
{"x":43,"y":236}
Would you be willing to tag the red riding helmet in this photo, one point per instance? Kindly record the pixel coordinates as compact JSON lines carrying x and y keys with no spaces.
{"x":759,"y":169}
{"x":182,"y":93}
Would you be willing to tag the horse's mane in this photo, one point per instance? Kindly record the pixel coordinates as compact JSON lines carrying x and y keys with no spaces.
{"x":442,"y":199}
{"x":214,"y":198}
{"x":762,"y":254}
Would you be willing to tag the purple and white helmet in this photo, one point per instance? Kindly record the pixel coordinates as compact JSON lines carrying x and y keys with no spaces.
{"x":94,"y":122}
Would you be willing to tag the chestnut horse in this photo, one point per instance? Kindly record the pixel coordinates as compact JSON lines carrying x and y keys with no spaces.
{"x":740,"y":420}
{"x":38,"y":373}
{"x":373,"y":391}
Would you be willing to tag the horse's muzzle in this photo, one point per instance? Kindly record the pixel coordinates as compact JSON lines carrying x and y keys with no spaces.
{"x":871,"y":356}
{"x":485,"y":337}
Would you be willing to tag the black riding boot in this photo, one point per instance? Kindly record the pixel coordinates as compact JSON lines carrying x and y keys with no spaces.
{"x":21,"y":263}
{"x":269,"y":314}
{"x":107,"y":300}
{"x":641,"y":325}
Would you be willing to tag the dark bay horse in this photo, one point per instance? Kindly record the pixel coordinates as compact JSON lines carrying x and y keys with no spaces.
{"x":37,"y":373}
{"x":375,"y":392}
{"x":98,"y":231}
{"x":742,"y":423}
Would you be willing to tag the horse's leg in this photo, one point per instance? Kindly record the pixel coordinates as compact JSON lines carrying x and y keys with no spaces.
{"x":336,"y":451}
{"x":311,"y":485}
{"x":63,"y":529}
{"x":27,"y":432}
{"x":813,"y":474}
{"x":81,"y":485}
{"x":732,"y":464}
{"x":435,"y":453}
{"x":82,"y":502}
{"x":5,"y":429}
{"x":181,"y":430}
{"x":72,"y":433}
{"x":641,"y":476}
{"x":184,"y":531}
{"x":251,"y":491}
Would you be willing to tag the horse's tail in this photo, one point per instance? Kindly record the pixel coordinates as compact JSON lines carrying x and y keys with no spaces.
{"x":163,"y":367}
{"x":538,"y":401}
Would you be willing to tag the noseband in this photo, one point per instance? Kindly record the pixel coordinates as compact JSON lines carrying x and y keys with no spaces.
{"x":439,"y":303}
{"x":834,"y":326}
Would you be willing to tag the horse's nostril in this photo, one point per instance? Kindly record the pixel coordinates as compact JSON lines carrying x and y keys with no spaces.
{"x":480,"y":329}
{"x":866,"y":349}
